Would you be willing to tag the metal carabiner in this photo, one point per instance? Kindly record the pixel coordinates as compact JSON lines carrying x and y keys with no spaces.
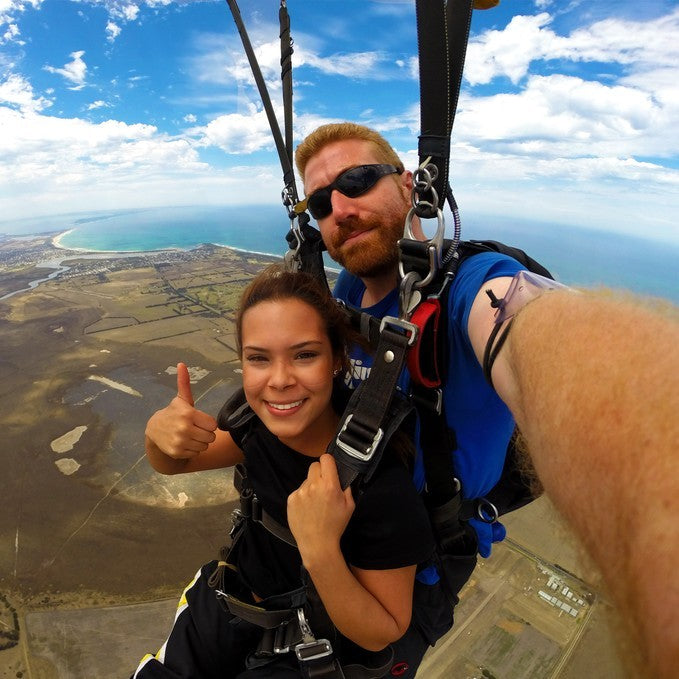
{"x":434,"y":249}
{"x":291,"y":258}
{"x":408,"y":296}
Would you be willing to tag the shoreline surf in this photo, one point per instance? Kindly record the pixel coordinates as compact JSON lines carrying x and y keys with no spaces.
{"x":59,"y":245}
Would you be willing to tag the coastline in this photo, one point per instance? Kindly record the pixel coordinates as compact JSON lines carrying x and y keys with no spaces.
{"x":57,"y":243}
{"x":56,"y":240}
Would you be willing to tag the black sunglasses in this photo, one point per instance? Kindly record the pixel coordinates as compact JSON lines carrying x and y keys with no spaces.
{"x":352,"y":183}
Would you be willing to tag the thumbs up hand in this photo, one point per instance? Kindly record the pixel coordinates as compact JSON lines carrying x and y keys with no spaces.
{"x":179,"y":430}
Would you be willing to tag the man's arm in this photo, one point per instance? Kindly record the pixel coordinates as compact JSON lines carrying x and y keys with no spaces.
{"x":593,"y":382}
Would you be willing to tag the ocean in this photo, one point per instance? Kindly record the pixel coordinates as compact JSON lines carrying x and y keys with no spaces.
{"x":576,"y":256}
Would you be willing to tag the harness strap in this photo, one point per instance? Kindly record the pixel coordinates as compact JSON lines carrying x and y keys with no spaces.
{"x":257,"y":615}
{"x":251,"y":508}
{"x":287,"y":630}
{"x":356,"y":448}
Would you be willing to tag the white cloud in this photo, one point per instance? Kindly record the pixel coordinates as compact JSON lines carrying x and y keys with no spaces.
{"x":638,"y":45}
{"x":11,"y":33}
{"x":352,"y":65}
{"x":218,"y":63}
{"x":9,"y":11}
{"x":567,"y":116}
{"x":48,"y":160}
{"x":190,"y":118}
{"x":130,"y":12}
{"x":215,"y":63}
{"x":113,"y":31}
{"x":239,"y":133}
{"x":18,"y":92}
{"x":97,"y":104}
{"x":74,"y":71}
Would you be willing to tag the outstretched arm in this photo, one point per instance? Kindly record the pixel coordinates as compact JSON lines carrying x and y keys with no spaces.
{"x":370,"y":607}
{"x":180,"y":438}
{"x":593,"y":382}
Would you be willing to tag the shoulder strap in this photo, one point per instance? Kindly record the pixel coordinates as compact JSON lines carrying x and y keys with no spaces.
{"x":473,"y":247}
{"x":235,"y":413}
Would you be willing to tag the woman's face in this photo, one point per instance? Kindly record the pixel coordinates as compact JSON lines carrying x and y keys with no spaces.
{"x":288,"y":367}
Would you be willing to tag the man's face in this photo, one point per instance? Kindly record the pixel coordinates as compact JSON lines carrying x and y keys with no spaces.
{"x":360,"y":233}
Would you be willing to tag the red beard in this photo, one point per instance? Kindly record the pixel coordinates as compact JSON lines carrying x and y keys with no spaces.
{"x":374,"y":255}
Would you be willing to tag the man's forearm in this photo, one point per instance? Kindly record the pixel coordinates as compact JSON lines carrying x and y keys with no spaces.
{"x":594,"y":385}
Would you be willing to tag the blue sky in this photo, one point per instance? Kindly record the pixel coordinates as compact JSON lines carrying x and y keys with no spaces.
{"x":569,"y":110}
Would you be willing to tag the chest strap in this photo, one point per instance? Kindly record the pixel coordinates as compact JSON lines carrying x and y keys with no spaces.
{"x":251,"y":508}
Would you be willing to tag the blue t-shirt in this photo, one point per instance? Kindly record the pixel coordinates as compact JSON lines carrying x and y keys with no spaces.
{"x":482,"y":422}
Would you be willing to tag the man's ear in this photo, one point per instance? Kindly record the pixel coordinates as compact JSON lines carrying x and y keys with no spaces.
{"x":407,"y":181}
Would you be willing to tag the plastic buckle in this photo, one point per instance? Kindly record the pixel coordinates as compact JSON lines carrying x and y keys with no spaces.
{"x":353,"y":452}
{"x":313,"y":650}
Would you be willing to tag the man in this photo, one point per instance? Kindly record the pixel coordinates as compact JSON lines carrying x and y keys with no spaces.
{"x":591,"y":382}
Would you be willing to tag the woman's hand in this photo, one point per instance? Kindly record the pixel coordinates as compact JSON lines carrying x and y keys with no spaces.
{"x":370,"y":607}
{"x":319,"y":511}
{"x":178,"y":431}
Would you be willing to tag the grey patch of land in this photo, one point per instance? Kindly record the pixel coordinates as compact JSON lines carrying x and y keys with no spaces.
{"x":95,"y":546}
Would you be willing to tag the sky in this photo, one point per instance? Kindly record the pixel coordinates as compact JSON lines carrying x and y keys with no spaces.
{"x":569,"y":110}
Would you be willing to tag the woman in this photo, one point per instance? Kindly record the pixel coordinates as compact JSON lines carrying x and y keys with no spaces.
{"x":360,"y":557}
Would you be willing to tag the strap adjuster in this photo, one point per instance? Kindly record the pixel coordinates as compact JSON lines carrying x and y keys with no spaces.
{"x":313,"y":650}
{"x":365,"y":455}
{"x":279,"y":642}
{"x":409,"y":327}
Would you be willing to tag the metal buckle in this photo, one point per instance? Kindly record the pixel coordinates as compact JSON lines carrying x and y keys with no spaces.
{"x":237,"y":519}
{"x":292,"y":257}
{"x":403,"y":325}
{"x":256,"y":511}
{"x":279,"y":639}
{"x":313,"y":650}
{"x":435,"y":245}
{"x":486,"y":511}
{"x":353,"y":452}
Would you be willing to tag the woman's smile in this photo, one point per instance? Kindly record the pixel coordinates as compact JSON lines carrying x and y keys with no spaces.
{"x":288,"y":366}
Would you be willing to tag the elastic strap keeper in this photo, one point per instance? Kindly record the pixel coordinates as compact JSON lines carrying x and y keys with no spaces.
{"x":493,"y":349}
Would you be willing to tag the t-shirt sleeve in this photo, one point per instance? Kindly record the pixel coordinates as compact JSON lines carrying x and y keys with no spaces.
{"x":474,"y":272}
{"x":390,"y":526}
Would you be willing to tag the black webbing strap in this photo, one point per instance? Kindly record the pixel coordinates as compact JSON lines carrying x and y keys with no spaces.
{"x":368,"y":416}
{"x":286,"y":74}
{"x":309,"y":249}
{"x":442,"y":35}
{"x":251,"y":508}
{"x":285,"y":159}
